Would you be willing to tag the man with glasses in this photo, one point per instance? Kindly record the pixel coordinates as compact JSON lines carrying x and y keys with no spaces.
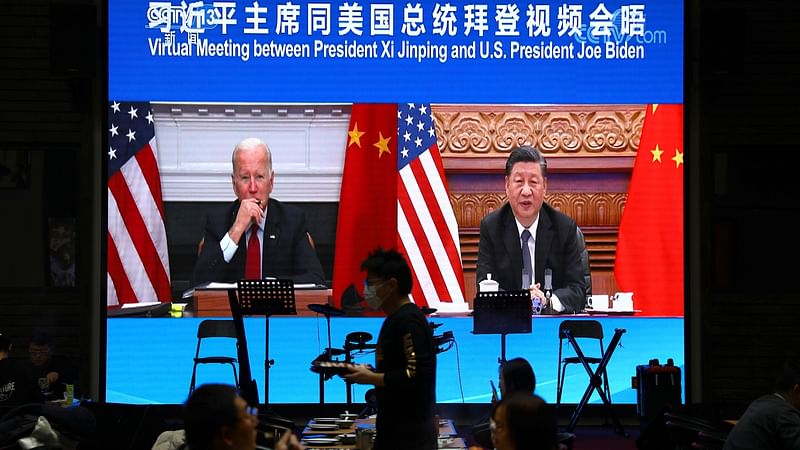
{"x":15,"y":388}
{"x":405,"y":370}
{"x":522,"y":421}
{"x":53,"y":372}
{"x":256,"y":236}
{"x":217,"y":418}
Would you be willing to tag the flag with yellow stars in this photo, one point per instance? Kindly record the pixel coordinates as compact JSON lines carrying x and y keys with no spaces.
{"x":649,"y":260}
{"x":394,"y":195}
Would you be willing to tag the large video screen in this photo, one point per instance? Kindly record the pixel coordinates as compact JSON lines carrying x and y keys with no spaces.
{"x":389,"y":123}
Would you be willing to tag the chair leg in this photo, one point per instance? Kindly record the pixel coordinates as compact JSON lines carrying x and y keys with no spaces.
{"x":560,"y":383}
{"x":608,"y":395}
{"x":558,"y":376}
{"x":235,"y":376}
{"x":194,"y":375}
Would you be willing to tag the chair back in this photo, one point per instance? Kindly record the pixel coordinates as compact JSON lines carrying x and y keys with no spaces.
{"x":590,"y":329}
{"x":216,"y":328}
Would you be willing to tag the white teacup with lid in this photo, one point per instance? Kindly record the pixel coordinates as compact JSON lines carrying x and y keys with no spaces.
{"x":488,"y":285}
{"x":623,"y":301}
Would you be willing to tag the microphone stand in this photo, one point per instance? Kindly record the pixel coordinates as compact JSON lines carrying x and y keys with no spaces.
{"x":328,"y":356}
{"x":327,"y":311}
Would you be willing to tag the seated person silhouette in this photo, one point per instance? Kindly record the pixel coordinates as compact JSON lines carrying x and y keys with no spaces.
{"x":52,"y":371}
{"x":216,"y":418}
{"x":772,"y":421}
{"x":516,"y":375}
{"x":522,"y":421}
{"x":16,"y":388}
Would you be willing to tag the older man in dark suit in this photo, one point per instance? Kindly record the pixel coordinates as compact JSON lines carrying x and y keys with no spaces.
{"x":256,"y":236}
{"x":525,"y":237}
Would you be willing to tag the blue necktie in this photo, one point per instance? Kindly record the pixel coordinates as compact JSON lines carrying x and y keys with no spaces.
{"x":527,"y":267}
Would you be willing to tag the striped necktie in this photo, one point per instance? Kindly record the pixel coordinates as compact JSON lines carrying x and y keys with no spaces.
{"x":527,"y":266}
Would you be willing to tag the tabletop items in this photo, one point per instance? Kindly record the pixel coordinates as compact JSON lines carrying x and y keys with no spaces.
{"x":348,"y":432}
{"x":335,"y":367}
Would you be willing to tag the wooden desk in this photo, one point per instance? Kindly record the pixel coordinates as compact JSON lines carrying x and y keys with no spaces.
{"x":214,"y":302}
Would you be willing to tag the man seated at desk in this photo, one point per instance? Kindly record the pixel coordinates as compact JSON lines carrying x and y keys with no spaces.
{"x":255,"y":236}
{"x":526,"y":236}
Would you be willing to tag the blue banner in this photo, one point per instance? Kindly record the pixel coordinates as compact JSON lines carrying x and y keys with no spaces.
{"x":440,"y":52}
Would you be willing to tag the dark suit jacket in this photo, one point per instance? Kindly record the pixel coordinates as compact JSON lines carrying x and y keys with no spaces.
{"x":770,"y":422}
{"x":500,"y":253}
{"x":286,"y":254}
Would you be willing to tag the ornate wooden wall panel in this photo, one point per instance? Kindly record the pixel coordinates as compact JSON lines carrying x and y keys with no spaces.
{"x":590,"y":151}
{"x":576,"y":130}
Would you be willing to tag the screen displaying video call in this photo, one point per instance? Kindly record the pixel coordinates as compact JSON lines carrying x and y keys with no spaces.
{"x":389,"y":123}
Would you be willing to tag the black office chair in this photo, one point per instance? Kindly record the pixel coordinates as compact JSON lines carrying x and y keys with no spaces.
{"x":581,"y":330}
{"x":210,"y":329}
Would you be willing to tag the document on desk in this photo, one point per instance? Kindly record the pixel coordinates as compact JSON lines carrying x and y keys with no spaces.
{"x":611,"y":311}
{"x":139,"y":305}
{"x":300,"y":286}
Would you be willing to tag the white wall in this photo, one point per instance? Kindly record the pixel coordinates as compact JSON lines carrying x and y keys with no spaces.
{"x":195,"y":142}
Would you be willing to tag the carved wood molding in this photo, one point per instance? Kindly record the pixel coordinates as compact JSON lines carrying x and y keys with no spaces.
{"x":471,"y":208}
{"x":587,"y":209}
{"x":590,"y":209}
{"x":570,"y":130}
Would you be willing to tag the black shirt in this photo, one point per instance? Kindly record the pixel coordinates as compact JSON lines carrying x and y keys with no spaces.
{"x":67,"y":374}
{"x":770,"y":423}
{"x":406,"y":404}
{"x":15,"y":387}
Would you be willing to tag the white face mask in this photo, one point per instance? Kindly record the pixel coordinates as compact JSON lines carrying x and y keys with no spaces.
{"x":371,"y":295}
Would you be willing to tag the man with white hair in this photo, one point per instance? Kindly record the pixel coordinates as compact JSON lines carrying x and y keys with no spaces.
{"x":256,"y":236}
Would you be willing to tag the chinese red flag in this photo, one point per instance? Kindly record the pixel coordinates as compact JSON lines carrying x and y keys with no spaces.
{"x":649,"y":260}
{"x":368,"y":198}
{"x":394,"y":195}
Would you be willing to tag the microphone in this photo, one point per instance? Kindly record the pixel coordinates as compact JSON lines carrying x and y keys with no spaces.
{"x":548,"y":285}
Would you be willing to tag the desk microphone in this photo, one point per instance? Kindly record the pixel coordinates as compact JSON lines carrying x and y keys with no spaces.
{"x":548,"y":285}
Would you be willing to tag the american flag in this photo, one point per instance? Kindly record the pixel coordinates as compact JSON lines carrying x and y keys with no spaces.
{"x":426,"y":225}
{"x":138,"y":263}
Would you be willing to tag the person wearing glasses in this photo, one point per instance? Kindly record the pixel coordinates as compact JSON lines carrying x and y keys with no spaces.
{"x":52,"y":371}
{"x":217,"y":418}
{"x":522,"y":421}
{"x":15,"y":387}
{"x":516,"y":375}
{"x":405,"y":357}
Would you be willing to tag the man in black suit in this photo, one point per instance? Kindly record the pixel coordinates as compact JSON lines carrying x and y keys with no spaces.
{"x":256,"y":236}
{"x":526,"y":236}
